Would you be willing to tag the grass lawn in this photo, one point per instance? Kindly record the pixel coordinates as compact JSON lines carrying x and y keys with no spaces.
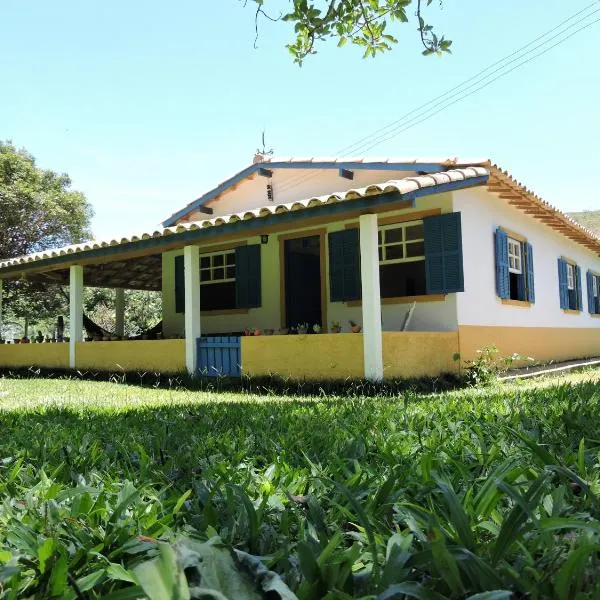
{"x":401,"y":496}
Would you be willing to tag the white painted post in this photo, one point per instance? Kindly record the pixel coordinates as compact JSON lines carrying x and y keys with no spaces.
{"x":191,"y":266}
{"x":371,"y":298}
{"x":75,"y":310}
{"x":119,"y":312}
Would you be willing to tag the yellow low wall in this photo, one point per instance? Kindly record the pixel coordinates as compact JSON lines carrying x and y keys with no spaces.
{"x":408,"y":354}
{"x":161,"y":356}
{"x":322,"y":356}
{"x":53,"y":356}
{"x":543,"y":344}
{"x":338,"y":356}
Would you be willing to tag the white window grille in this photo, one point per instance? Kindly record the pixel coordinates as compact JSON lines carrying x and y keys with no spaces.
{"x":515,"y":256}
{"x":218,"y":267}
{"x":401,"y":243}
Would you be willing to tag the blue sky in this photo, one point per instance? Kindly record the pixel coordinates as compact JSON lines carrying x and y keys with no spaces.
{"x":148,"y":104}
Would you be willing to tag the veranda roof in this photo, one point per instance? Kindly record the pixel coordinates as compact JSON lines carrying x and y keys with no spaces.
{"x":135,"y":261}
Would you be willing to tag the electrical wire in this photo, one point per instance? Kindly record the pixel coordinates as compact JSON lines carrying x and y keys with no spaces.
{"x":440,"y":102}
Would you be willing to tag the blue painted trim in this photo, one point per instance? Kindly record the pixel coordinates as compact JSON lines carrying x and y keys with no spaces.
{"x":346,"y":173}
{"x":350,"y":165}
{"x":157,"y":245}
{"x":265,"y":172}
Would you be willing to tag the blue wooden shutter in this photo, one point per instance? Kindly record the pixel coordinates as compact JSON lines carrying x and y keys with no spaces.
{"x":579,"y":290}
{"x":502,"y":273}
{"x":443,"y":254}
{"x":247,"y":276}
{"x":344,"y":265}
{"x":179,"y":285}
{"x":590,"y":292}
{"x":563,"y":289}
{"x":529,"y":269}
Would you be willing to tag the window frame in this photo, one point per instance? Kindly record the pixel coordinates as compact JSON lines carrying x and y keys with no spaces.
{"x":516,"y":257}
{"x":212,"y":267}
{"x":571,"y":276}
{"x":382,"y":245}
{"x":521,"y":241}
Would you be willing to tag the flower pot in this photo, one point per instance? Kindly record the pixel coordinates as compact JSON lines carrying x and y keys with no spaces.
{"x":335,"y":330}
{"x":17,"y":340}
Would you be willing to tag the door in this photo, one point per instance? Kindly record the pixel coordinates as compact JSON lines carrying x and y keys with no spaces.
{"x":302,"y":258}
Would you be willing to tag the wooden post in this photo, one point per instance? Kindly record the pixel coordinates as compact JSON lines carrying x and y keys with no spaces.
{"x":371,"y":298}
{"x":75,"y":310}
{"x":191,"y":266}
{"x":119,"y":312}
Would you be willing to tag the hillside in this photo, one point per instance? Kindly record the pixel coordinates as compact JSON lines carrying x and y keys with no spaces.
{"x":589,"y":219}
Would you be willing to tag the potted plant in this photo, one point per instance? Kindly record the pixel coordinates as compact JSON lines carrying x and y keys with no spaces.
{"x":283,"y":331}
{"x":316,"y":328}
{"x":336,"y":327}
{"x":302,"y":328}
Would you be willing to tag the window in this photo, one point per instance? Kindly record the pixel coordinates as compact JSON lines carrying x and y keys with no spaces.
{"x":593,"y":287}
{"x":569,"y":280}
{"x":217,"y":281}
{"x":402,"y":259}
{"x":514,"y":257}
{"x":570,"y":276}
{"x":217,"y":268}
{"x":514,"y":267}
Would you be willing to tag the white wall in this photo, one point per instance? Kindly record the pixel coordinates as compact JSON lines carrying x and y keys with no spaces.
{"x":482,"y":212}
{"x":428,"y":316}
{"x":290,"y":185}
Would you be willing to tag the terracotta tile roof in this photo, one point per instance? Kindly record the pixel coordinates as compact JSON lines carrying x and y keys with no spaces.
{"x":518,"y":195}
{"x":322,"y":162}
{"x":403,"y":186}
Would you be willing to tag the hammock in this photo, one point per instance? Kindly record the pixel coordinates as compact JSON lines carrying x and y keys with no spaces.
{"x":94,"y":330}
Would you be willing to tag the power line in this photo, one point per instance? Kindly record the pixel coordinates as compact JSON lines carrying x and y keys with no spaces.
{"x":428,"y":116}
{"x":403,"y":123}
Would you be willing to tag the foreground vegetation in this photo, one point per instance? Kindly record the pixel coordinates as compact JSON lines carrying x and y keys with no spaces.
{"x":403,"y":495}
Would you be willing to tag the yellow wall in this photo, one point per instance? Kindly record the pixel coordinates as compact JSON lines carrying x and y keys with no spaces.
{"x":543,"y":344}
{"x":323,"y":356}
{"x":53,"y":356}
{"x":165,"y":356}
{"x":419,"y":354}
{"x":338,"y":356}
{"x":428,"y":316}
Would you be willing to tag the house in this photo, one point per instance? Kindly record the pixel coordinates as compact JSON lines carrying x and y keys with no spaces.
{"x":432,"y":258}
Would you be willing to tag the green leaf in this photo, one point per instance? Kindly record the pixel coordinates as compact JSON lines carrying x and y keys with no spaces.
{"x":571,"y":571}
{"x":45,"y":551}
{"x":161,"y":578}
{"x":398,"y":591}
{"x":117,"y":572}
{"x":493,"y":595}
{"x":181,"y":500}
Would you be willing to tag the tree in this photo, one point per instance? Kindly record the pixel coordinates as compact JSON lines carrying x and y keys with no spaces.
{"x":38,"y":210}
{"x":360,"y":22}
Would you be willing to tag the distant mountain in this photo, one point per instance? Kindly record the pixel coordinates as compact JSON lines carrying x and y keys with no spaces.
{"x":589,"y":219}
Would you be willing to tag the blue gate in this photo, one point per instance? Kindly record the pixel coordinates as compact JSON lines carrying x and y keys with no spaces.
{"x":219,"y":356}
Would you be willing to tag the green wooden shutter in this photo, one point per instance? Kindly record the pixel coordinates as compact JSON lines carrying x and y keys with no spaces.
{"x":179,"y":285}
{"x":530,"y":287}
{"x":502,"y":273}
{"x":344,"y":265}
{"x":579,"y":289}
{"x":563,"y":289}
{"x":590,"y":292}
{"x":443,"y":254}
{"x":247,"y":276}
